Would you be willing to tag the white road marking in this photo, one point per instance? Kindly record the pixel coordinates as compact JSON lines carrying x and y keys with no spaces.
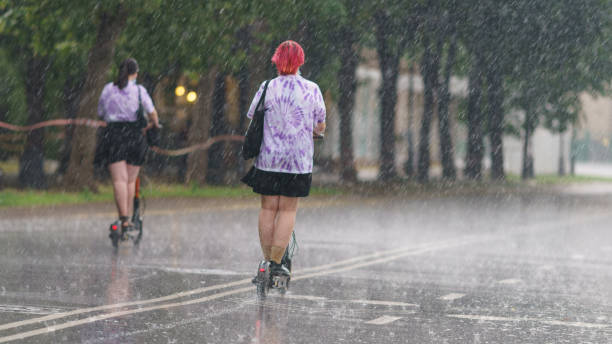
{"x":87,"y":320}
{"x":305,"y":297}
{"x":385,"y":303}
{"x":200,"y":271}
{"x":68,"y":324}
{"x":542,"y":227}
{"x":363,"y":302}
{"x":38,"y":310}
{"x":451,"y":296}
{"x":543,"y":321}
{"x":385,"y":319}
{"x":122,"y":304}
{"x":510,"y":281}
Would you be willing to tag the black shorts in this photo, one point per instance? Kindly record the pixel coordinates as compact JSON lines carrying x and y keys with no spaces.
{"x":278,"y":183}
{"x":122,"y":141}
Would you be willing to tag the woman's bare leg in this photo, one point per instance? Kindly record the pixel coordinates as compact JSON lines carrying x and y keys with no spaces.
{"x":287,"y":209}
{"x":119,"y":175}
{"x":267,"y":218}
{"x":132,"y":174}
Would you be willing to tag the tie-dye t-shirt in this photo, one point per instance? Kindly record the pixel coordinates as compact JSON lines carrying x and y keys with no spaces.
{"x":293,"y":106}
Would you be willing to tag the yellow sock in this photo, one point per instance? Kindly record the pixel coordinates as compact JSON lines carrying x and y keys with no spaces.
{"x":276,"y":254}
{"x":266,"y":251}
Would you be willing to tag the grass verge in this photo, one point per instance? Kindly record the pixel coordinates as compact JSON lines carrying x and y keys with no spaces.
{"x":28,"y":198}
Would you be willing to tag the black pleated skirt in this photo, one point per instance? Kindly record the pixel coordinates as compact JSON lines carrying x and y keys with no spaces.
{"x":278,"y":183}
{"x":121,"y":141}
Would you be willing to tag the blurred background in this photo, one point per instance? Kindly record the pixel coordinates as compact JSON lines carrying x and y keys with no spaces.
{"x":415,"y":90}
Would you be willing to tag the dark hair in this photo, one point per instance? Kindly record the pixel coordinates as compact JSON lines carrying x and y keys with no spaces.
{"x":127,"y":67}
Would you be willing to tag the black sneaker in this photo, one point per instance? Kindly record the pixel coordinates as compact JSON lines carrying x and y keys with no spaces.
{"x":261,"y":272}
{"x":278,"y":269}
{"x":115,"y":227}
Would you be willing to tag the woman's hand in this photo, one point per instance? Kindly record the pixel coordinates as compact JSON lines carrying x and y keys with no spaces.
{"x":319,"y":129}
{"x":153,"y":120}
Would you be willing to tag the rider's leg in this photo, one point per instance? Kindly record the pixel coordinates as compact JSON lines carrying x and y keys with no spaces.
{"x":132,"y":174}
{"x":287,"y":209}
{"x":267,"y":216}
{"x":119,"y":175}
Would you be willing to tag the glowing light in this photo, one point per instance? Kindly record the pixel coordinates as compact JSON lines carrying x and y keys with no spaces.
{"x":114,"y":227}
{"x":180,"y":91}
{"x":192,"y":96}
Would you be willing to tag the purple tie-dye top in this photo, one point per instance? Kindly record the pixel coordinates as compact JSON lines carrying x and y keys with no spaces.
{"x":293,"y":106}
{"x":120,"y":105}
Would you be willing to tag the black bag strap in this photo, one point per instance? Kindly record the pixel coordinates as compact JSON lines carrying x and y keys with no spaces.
{"x":263,"y":95}
{"x":140,"y":107}
{"x":141,"y":118}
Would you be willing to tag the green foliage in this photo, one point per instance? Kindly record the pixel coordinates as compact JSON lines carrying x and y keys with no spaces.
{"x":552,"y":63}
{"x":549,"y":51}
{"x":12,"y":93}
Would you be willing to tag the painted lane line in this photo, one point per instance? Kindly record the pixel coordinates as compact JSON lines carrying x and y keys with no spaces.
{"x":362,"y":302}
{"x":99,"y":317}
{"x":305,"y":297}
{"x":552,"y":225}
{"x":407,"y":253}
{"x":385,"y":303}
{"x":510,"y":281}
{"x":54,"y":328}
{"x":543,"y":321}
{"x":451,"y":296}
{"x":37,"y":310}
{"x":122,"y":305}
{"x":205,"y":289}
{"x":430,"y":248}
{"x":385,"y":319}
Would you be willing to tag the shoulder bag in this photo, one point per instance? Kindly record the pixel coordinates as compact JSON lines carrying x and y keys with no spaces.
{"x":152,"y":135}
{"x":254,"y":134}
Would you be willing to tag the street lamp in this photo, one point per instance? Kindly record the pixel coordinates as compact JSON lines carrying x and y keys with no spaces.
{"x":179,"y":91}
{"x":192,"y":96}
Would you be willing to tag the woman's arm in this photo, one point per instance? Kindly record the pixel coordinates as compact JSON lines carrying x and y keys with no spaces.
{"x":153,"y":120}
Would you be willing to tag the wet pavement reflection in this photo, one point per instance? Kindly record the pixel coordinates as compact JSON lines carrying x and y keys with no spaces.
{"x":471,"y":269}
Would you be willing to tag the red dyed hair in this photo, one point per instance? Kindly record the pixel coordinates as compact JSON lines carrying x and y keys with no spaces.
{"x":288,"y":57}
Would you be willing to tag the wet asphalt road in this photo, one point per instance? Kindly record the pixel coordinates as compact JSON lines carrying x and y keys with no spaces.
{"x":526,"y":268}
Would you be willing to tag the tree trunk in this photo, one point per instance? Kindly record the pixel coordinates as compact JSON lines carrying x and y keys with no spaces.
{"x":429,"y":71}
{"x":388,"y":55}
{"x":80,"y":169}
{"x":447,"y":152}
{"x":475,"y":146}
{"x":496,"y":121}
{"x":529,"y":127}
{"x":3,"y":153}
{"x":409,"y":165}
{"x":244,"y":99}
{"x":197,"y":162}
{"x":346,"y":103}
{"x":573,"y":150}
{"x":31,"y":172}
{"x":216,"y":154}
{"x":561,"y":170}
{"x":71,"y":102}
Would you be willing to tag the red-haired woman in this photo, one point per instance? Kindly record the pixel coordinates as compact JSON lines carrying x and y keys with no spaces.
{"x":294,"y":110}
